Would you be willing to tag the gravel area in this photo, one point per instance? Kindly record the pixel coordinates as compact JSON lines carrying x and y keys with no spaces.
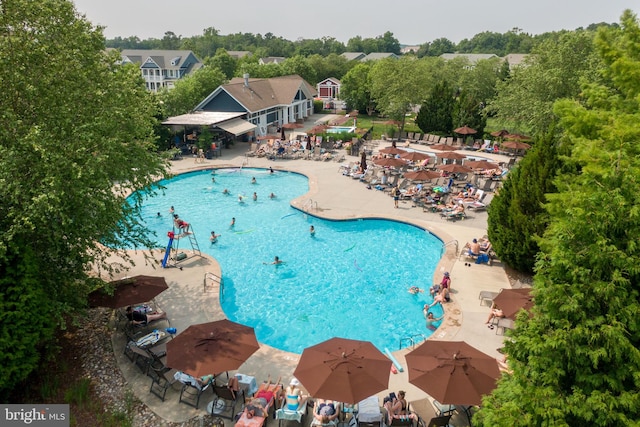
{"x":91,"y":344}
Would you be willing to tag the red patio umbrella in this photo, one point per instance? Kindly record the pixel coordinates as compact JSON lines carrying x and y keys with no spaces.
{"x":500,"y":133}
{"x":516,"y":145}
{"x":454,"y":168}
{"x":292,"y":125}
{"x":390,"y":162}
{"x":451,"y":155}
{"x":211,"y":348}
{"x":129,"y":291}
{"x":392,"y":150}
{"x":422,"y":175}
{"x":511,"y":301}
{"x":443,"y":147}
{"x":414,"y":156}
{"x":481,"y":164}
{"x":452,"y":372}
{"x":465,"y":130}
{"x":344,"y":370}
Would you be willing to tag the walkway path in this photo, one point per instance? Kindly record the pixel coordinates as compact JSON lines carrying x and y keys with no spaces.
{"x":336,"y":197}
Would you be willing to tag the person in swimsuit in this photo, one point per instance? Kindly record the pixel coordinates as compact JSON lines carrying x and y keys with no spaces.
{"x":138,"y":318}
{"x":326,"y":412}
{"x":397,"y":408}
{"x":431,"y":321}
{"x":294,"y":396}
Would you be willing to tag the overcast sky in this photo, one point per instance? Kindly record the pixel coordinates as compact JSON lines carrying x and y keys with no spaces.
{"x":410,"y":21}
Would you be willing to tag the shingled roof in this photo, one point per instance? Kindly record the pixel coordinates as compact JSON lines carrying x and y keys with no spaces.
{"x":261,"y":94}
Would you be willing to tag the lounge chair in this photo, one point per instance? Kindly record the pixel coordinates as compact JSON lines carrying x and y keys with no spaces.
{"x":191,"y":389}
{"x":369,"y":414}
{"x":259,"y":421}
{"x":226,"y":400}
{"x":163,"y":382}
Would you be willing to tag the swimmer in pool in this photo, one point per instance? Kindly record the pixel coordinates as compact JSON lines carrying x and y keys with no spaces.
{"x":255,"y":196}
{"x":272,"y":196}
{"x":312,"y":231}
{"x":253,"y":180}
{"x":415,"y":290}
{"x":225,"y":191}
{"x":276,"y":261}
{"x":214,"y":237}
{"x":240,"y":198}
{"x":233,"y":222}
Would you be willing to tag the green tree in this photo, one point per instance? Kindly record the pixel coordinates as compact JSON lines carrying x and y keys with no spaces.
{"x":356,"y":88}
{"x":517,"y":218}
{"x":191,"y":90}
{"x":73,"y":125}
{"x":436,"y":112}
{"x":300,"y":66}
{"x":554,"y":71}
{"x":576,"y":361}
{"x":397,"y":85}
{"x":467,"y":111}
{"x":224,"y":62}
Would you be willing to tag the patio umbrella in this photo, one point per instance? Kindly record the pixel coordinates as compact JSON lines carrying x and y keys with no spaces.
{"x":516,"y":145}
{"x":211,"y":348}
{"x":481,"y":164}
{"x":390,"y":162}
{"x":511,"y":301}
{"x":422,"y":175}
{"x":451,"y":155}
{"x":454,"y":168}
{"x":414,"y":156}
{"x":129,"y":291}
{"x":443,"y":147}
{"x":452,"y":372}
{"x":318,"y":129}
{"x":500,"y":133}
{"x":292,"y":125}
{"x":517,"y":137}
{"x":392,"y":150}
{"x":282,"y":135}
{"x":344,"y":370}
{"x":465,"y":130}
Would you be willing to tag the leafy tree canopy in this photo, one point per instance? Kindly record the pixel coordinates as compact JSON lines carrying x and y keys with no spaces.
{"x":73,"y":124}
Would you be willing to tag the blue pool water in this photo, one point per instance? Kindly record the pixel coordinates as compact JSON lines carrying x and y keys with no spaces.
{"x":340,"y":129}
{"x":351,"y":280}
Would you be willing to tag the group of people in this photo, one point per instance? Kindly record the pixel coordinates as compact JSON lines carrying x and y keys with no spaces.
{"x":440,"y":293}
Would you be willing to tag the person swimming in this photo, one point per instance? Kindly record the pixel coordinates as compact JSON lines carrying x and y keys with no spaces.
{"x":415,"y":290}
{"x":233,"y":222}
{"x":312,"y":231}
{"x":214,"y":237}
{"x":276,"y":261}
{"x":225,"y":191}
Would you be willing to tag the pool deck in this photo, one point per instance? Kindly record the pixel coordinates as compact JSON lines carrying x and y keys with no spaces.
{"x":332,"y":196}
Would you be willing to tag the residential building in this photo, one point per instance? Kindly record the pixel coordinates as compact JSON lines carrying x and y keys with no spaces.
{"x":329,"y":88}
{"x":162,"y":68}
{"x":354,"y":56}
{"x":271,"y":60}
{"x":252,"y":107}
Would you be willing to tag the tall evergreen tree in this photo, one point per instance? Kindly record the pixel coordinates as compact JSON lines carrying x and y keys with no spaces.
{"x":576,"y":361}
{"x":517,"y":217}
{"x":436,"y":112}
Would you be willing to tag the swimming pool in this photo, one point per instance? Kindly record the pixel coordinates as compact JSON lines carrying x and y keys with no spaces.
{"x":350,"y":280}
{"x":341,"y":129}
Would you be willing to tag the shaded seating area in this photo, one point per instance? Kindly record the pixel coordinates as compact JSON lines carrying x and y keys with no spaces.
{"x":192,"y":388}
{"x":226,"y":400}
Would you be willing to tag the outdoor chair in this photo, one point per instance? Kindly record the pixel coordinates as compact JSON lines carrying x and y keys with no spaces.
{"x":441,"y":421}
{"x":226,"y":400}
{"x":142,"y":358}
{"x":190,"y":394}
{"x":163,"y":382}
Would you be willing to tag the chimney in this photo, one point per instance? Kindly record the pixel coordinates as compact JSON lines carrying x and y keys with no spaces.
{"x":246,"y":79}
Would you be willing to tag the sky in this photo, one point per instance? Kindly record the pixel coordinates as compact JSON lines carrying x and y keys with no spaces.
{"x":412,"y":22}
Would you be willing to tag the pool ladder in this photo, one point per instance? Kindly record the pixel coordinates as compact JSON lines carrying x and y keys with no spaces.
{"x":215,"y":284}
{"x":449,"y":243}
{"x":310,"y":205}
{"x":412,"y":340}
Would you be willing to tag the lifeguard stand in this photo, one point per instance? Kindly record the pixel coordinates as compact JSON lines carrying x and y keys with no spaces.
{"x":175,"y":256}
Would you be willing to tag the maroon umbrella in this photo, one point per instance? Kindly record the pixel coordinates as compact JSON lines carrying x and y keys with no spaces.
{"x":517,"y":137}
{"x":392,"y":150}
{"x":318,"y":129}
{"x":516,"y":145}
{"x":454,"y":168}
{"x":390,"y":162}
{"x":481,"y":164}
{"x":465,"y":130}
{"x":292,"y":125}
{"x":452,"y":372}
{"x":511,"y":301}
{"x":211,"y":348}
{"x":344,"y":370}
{"x":443,"y":147}
{"x":414,"y":156}
{"x":450,"y":155}
{"x":422,"y":175}
{"x":129,"y":291}
{"x":500,"y":133}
